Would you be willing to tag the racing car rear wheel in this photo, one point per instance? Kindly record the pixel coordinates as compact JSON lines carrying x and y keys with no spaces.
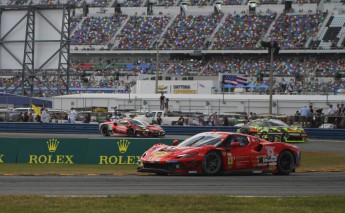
{"x":131,"y":132}
{"x":212,"y":163}
{"x":104,"y":130}
{"x":271,"y":137}
{"x":285,"y":163}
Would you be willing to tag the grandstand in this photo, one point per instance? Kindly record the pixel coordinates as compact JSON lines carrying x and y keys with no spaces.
{"x":112,"y":43}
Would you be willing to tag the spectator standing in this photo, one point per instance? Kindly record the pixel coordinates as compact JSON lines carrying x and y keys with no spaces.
{"x":342,"y":109}
{"x":73,"y":116}
{"x":159,"y":119}
{"x":25,"y":117}
{"x":87,"y":118}
{"x":45,"y":116}
{"x":304,"y":112}
{"x":225,"y":121}
{"x":331,"y":110}
{"x":180,"y":121}
{"x":311,"y":116}
{"x":166,"y":105}
{"x":162,"y":100}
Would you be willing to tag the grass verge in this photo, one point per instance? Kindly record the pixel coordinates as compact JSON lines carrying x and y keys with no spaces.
{"x":159,"y":203}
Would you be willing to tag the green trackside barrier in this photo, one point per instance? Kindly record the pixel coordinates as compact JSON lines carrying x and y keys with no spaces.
{"x":8,"y":151}
{"x":114,"y":151}
{"x":105,"y":151}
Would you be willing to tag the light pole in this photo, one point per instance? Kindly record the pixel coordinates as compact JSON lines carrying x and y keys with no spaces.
{"x":271,"y":83}
{"x":273,"y":49}
{"x":157,"y":65}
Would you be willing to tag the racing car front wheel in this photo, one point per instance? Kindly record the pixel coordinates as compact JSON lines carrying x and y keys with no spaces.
{"x":285,"y":163}
{"x":104,"y":130}
{"x":212,"y":163}
{"x":131,"y":132}
{"x":284,"y":137}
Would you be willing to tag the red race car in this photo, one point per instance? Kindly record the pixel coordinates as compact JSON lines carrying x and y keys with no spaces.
{"x":212,"y":153}
{"x":131,"y":127}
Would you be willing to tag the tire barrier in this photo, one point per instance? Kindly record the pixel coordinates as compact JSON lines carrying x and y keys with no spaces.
{"x":314,"y":133}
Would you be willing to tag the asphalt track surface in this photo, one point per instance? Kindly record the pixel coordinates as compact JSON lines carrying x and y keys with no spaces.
{"x":296,"y":184}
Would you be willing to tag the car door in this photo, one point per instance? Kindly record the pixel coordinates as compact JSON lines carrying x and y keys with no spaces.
{"x":122,"y":126}
{"x":236,"y":157}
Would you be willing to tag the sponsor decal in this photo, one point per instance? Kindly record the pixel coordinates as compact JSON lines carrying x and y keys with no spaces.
{"x":270,"y":150}
{"x":2,"y":158}
{"x":162,"y":87}
{"x":157,"y":154}
{"x":122,"y":146}
{"x":184,"y":91}
{"x":266,"y":161}
{"x":230,"y":161}
{"x":52,"y":145}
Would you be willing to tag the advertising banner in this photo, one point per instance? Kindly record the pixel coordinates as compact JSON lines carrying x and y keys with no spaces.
{"x":8,"y":150}
{"x":107,"y":151}
{"x":119,"y":151}
{"x":52,"y":151}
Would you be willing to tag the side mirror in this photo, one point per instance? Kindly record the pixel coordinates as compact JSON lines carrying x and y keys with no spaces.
{"x":175,"y":142}
{"x":235,"y":144}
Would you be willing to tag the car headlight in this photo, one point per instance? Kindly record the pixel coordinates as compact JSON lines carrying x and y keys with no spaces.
{"x":189,"y":155}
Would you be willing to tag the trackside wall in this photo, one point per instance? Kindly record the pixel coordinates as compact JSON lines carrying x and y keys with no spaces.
{"x":110,"y":151}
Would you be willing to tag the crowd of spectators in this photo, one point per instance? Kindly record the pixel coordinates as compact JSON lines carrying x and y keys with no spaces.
{"x":97,"y":30}
{"x":312,"y":74}
{"x":193,"y":32}
{"x":292,"y":31}
{"x":141,"y":32}
{"x":242,"y":31}
{"x":189,"y":32}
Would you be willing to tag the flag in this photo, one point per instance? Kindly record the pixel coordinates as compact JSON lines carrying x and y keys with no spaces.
{"x":234,"y":79}
{"x":36,"y":109}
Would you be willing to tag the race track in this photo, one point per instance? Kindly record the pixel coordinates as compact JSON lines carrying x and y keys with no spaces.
{"x":296,"y":184}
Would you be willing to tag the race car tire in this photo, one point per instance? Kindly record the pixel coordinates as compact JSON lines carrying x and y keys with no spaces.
{"x":270,"y":138}
{"x":285,"y":163}
{"x":284,"y":137}
{"x":212,"y":163}
{"x":104,"y":130}
{"x":131,"y":132}
{"x":245,"y":130}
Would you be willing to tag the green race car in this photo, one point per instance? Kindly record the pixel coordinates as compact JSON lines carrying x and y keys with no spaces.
{"x":274,"y":130}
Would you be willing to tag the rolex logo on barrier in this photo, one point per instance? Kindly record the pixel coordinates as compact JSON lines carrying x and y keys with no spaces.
{"x":52,"y":144}
{"x":1,"y":158}
{"x":119,"y":159}
{"x":123,"y":145}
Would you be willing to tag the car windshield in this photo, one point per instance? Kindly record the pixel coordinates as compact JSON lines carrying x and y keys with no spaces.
{"x":144,"y":122}
{"x":136,"y":122}
{"x":201,"y":140}
{"x":277,"y":123}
